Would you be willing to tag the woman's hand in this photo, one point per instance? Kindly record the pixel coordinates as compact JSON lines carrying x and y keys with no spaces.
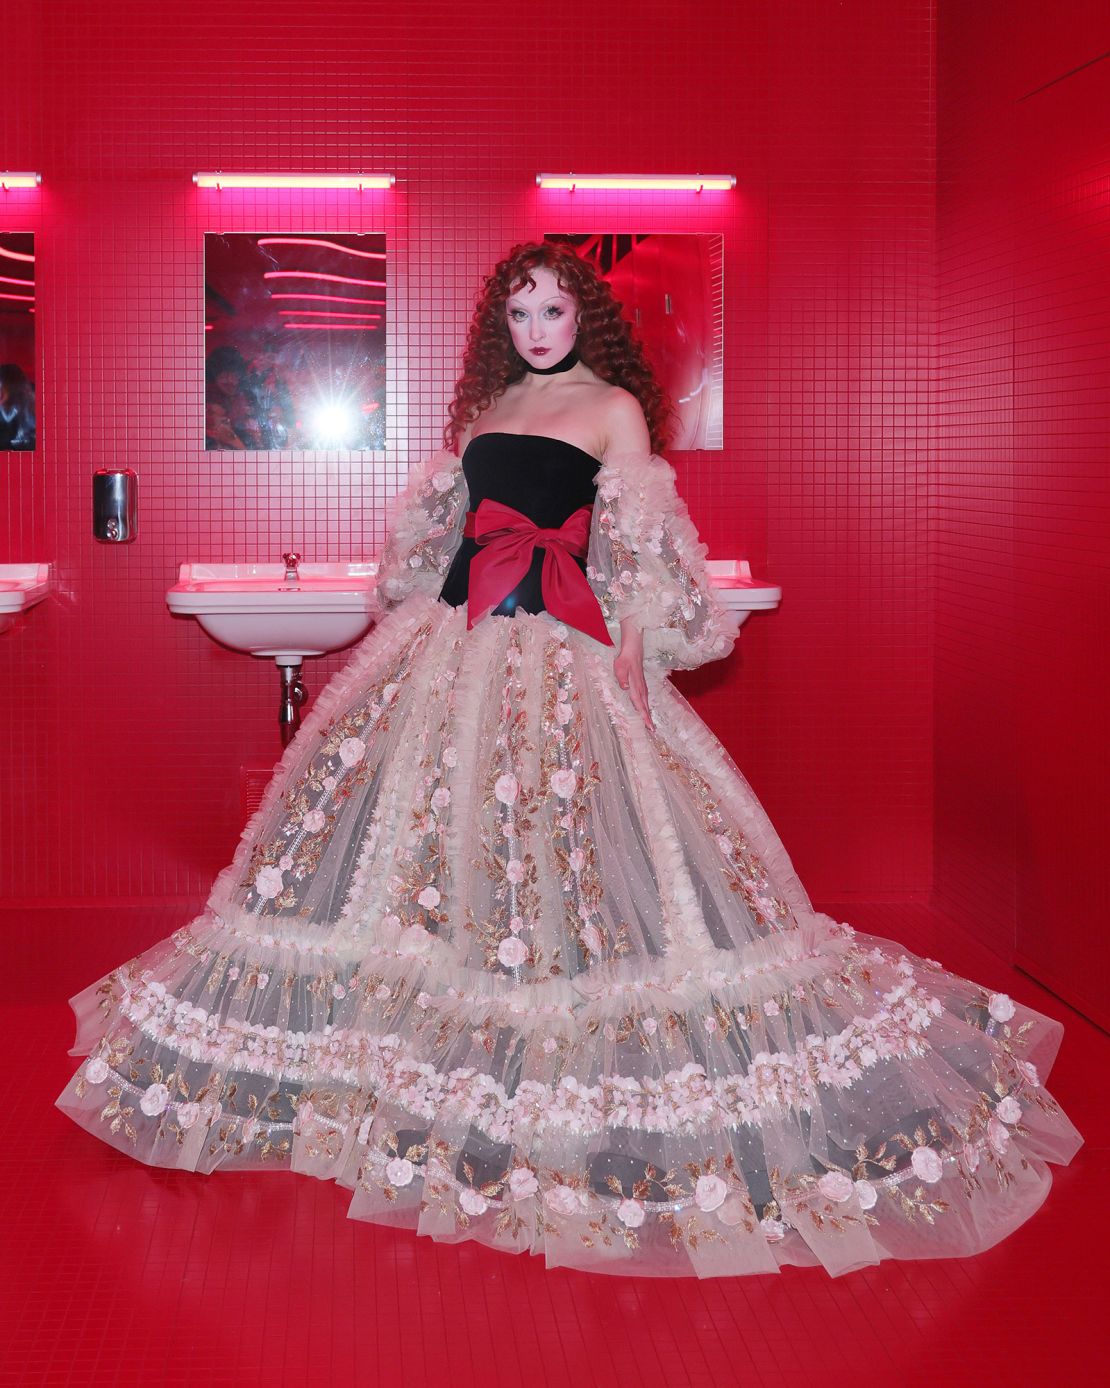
{"x":628,"y":666}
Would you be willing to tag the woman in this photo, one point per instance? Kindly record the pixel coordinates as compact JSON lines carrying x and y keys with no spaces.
{"x":17,"y":408}
{"x":511,"y":949}
{"x":228,"y":389}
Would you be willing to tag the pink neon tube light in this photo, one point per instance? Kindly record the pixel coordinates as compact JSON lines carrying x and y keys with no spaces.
{"x":278,"y":180}
{"x":689,"y":183}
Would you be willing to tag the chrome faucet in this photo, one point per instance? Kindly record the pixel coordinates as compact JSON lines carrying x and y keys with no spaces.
{"x":291,"y":560}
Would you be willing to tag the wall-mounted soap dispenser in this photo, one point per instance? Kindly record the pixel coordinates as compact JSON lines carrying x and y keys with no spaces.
{"x":115,"y":504}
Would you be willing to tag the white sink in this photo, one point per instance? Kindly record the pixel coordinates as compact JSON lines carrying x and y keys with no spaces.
{"x":251,"y":607}
{"x":736,"y":589}
{"x":21,"y":586}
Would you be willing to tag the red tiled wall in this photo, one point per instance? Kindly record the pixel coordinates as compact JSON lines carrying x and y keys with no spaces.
{"x":1022,"y":483}
{"x":123,"y":731}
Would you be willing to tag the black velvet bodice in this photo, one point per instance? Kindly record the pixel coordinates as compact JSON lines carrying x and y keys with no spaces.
{"x":545,"y":479}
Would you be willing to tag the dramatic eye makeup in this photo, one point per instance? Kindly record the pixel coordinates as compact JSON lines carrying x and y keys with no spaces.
{"x":552,"y":310}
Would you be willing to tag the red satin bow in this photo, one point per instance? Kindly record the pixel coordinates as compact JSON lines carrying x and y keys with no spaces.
{"x":508,"y":538}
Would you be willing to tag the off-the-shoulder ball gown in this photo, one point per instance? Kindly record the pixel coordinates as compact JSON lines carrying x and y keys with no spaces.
{"x":508,"y":965}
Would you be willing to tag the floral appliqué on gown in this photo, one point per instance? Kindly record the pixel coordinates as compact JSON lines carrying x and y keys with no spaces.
{"x":511,"y":967}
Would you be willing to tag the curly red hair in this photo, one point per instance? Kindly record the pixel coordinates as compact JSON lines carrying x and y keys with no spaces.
{"x":605,"y":340}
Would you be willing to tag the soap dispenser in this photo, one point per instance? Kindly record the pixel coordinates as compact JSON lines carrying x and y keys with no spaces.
{"x":115,"y":504}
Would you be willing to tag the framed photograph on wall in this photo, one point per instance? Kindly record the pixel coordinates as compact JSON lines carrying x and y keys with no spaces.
{"x":671,"y":286}
{"x":17,"y":341}
{"x":294,"y":351}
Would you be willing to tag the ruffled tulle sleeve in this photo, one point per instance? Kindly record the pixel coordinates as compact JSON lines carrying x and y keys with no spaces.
{"x":646,"y":561}
{"x":424,"y":525}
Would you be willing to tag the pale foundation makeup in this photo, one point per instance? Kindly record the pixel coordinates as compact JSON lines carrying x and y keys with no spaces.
{"x":542,"y":319}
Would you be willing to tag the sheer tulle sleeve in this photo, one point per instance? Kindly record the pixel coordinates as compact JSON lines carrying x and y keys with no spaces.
{"x":424,"y":525}
{"x":646,"y":561}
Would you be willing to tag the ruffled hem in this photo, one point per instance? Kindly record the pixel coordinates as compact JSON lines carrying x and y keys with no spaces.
{"x":592,"y":1175}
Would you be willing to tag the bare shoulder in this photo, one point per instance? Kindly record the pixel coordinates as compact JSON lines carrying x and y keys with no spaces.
{"x":465,"y":436}
{"x":624,"y":427}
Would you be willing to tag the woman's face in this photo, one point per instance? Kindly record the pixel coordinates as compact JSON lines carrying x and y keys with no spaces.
{"x":542,"y":319}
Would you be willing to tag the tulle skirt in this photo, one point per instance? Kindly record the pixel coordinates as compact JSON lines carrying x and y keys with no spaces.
{"x":509,"y":966}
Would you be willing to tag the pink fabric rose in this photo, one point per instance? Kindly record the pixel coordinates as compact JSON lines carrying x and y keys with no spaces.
{"x":187,"y":1115}
{"x":631,"y":1213}
{"x":563,"y":783}
{"x":96,"y":1071}
{"x":836,"y":1185}
{"x":472,"y":1202}
{"x":927,"y":1165}
{"x":351,"y":751}
{"x":268,"y":882}
{"x":563,"y":1200}
{"x":1009,"y":1110}
{"x":709,"y":1193}
{"x":314,"y":821}
{"x":155,"y":1099}
{"x":512,"y":952}
{"x":522,"y":1183}
{"x":774,"y":1230}
{"x":998,"y":1134}
{"x":506,"y":788}
{"x":399,"y":1171}
{"x":866,"y":1194}
{"x":1001,"y":1007}
{"x":429,"y":898}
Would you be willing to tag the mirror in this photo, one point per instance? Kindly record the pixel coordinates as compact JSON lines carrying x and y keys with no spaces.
{"x":672,"y":288}
{"x":294,"y":340}
{"x":17,"y":340}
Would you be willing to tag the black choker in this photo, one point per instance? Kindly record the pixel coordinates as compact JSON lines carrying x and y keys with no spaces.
{"x":565,"y":364}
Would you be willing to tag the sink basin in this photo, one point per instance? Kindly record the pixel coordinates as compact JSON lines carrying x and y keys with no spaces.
{"x":21,"y":586}
{"x":736,"y":589}
{"x":251,"y":607}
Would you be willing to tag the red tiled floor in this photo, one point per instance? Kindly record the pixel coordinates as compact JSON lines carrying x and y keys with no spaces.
{"x":120,"y":1274}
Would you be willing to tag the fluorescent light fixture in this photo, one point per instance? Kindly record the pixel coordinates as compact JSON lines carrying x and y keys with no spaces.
{"x":688,"y":183}
{"x":279,"y":180}
{"x":19,"y":180}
